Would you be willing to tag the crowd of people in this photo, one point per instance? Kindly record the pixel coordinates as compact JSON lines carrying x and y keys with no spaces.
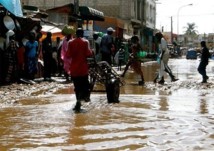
{"x":20,"y":61}
{"x":163,"y":56}
{"x":22,"y":58}
{"x":68,"y":58}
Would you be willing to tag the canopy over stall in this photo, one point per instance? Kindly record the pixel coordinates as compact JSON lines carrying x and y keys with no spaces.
{"x":13,"y":6}
{"x":85,"y":13}
{"x":88,"y":13}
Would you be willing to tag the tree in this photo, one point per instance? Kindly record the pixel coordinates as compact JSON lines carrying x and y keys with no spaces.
{"x":191,"y":29}
{"x":190,"y":33}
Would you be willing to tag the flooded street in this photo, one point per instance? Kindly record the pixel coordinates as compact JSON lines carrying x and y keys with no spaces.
{"x":175,"y":117}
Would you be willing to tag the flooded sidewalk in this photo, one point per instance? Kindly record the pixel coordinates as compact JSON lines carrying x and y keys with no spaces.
{"x":175,"y":116}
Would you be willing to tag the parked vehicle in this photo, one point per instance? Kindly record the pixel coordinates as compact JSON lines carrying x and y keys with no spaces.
{"x":212,"y":54}
{"x":191,"y":54}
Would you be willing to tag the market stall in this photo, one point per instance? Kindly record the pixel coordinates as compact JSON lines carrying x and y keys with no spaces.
{"x":56,"y":32}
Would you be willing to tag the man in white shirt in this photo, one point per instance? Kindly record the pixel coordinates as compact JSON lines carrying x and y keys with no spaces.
{"x":163,"y":59}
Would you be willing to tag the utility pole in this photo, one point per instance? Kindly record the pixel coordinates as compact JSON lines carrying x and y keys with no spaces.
{"x":45,"y":4}
{"x":76,"y":7}
{"x":178,"y":16}
{"x":77,"y":13}
{"x":142,"y":18}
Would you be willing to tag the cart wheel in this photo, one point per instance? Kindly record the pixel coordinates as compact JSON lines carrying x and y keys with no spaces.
{"x":91,"y":82}
{"x":113,"y":91}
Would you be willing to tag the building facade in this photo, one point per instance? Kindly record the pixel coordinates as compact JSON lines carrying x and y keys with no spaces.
{"x":46,"y":4}
{"x":137,"y":16}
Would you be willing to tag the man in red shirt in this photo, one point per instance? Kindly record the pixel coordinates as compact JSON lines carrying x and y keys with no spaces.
{"x":78,"y":51}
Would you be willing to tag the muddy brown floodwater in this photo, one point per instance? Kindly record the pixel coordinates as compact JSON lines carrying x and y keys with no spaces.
{"x":175,"y":117}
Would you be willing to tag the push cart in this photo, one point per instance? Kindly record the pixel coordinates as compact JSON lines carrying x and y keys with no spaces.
{"x":102,"y":73}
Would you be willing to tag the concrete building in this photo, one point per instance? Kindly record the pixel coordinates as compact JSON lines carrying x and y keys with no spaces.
{"x":46,"y":4}
{"x":129,"y":16}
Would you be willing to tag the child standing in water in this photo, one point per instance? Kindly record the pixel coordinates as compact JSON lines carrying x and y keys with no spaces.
{"x":134,"y":60}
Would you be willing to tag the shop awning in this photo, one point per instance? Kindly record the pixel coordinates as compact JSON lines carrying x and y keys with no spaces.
{"x":88,"y":13}
{"x":14,"y":6}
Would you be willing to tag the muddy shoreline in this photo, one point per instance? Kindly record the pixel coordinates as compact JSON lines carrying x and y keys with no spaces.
{"x":9,"y":94}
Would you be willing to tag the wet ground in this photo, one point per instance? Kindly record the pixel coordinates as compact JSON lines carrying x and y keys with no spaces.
{"x":176,"y":116}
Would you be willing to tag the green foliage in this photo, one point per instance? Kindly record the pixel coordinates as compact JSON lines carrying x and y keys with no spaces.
{"x":191,"y":29}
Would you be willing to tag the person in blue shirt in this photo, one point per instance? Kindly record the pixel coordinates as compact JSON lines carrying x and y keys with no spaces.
{"x":31,"y":57}
{"x":106,"y":46}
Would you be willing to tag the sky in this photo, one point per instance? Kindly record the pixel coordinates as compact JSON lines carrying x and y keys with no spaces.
{"x":201,"y":12}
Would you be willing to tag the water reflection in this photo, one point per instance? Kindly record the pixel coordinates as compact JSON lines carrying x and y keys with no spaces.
{"x":163,"y":105}
{"x":203,"y":106}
